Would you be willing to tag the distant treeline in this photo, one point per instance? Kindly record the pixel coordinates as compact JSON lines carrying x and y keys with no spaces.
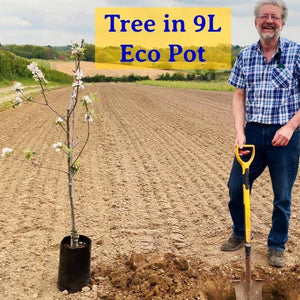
{"x":200,"y":75}
{"x":48,"y":52}
{"x":13,"y":67}
{"x":124,"y":78}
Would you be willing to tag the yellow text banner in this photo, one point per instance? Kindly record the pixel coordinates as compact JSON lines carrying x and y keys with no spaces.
{"x":164,"y":38}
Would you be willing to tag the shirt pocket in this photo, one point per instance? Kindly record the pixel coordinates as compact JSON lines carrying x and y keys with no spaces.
{"x":281,"y":78}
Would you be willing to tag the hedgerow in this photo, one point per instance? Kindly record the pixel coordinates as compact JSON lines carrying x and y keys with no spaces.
{"x":15,"y":67}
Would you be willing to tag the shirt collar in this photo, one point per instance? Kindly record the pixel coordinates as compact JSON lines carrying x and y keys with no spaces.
{"x":277,"y":54}
{"x":280,"y":47}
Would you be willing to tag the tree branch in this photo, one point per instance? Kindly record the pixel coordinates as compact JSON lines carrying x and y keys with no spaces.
{"x":38,"y":165}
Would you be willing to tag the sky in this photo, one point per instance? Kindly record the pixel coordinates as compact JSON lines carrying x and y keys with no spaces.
{"x":58,"y":23}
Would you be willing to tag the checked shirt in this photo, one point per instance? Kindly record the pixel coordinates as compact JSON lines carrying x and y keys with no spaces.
{"x":272,"y":88}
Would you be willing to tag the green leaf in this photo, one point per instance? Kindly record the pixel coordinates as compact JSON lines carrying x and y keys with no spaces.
{"x":75,"y":167}
{"x":29,"y":153}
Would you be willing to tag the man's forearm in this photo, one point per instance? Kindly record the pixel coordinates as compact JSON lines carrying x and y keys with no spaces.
{"x":238,"y":110}
{"x":294,"y":122}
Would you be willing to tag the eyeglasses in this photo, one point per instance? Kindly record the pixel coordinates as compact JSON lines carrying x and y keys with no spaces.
{"x":266,"y":17}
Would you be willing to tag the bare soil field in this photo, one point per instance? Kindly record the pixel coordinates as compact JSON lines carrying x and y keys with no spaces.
{"x":90,"y":69}
{"x":151,"y":194}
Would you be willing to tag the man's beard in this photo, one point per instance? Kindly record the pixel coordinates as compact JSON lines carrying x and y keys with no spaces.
{"x":269,"y":36}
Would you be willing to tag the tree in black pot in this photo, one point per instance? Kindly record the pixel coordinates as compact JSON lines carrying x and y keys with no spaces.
{"x":75,"y":250}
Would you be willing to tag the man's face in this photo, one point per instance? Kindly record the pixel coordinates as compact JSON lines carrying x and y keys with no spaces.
{"x":269,"y":22}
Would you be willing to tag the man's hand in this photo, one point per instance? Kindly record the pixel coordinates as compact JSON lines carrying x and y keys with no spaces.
{"x":240,"y":141}
{"x":282,"y":136}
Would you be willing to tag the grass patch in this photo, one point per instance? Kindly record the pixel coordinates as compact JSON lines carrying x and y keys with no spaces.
{"x":43,"y":63}
{"x":203,"y":85}
{"x":13,"y":67}
{"x":25,"y":82}
{"x":30,"y":88}
{"x":5,"y":105}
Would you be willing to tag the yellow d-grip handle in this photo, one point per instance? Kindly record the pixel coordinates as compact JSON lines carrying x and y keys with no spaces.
{"x":245,"y":164}
{"x":246,"y":187}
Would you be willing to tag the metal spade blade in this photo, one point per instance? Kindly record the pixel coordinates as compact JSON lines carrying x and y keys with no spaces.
{"x":248,"y":291}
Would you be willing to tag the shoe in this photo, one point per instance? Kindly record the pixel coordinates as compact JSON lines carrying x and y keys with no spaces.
{"x":232,"y":244}
{"x":276,"y":258}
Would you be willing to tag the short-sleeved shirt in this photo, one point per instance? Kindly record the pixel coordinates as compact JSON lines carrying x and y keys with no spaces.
{"x":272,"y":88}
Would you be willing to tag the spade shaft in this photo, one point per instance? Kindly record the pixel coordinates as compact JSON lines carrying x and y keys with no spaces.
{"x":247,"y":290}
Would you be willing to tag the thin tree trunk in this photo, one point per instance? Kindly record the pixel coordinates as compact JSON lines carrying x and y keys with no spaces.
{"x":70,"y":139}
{"x":74,"y":233}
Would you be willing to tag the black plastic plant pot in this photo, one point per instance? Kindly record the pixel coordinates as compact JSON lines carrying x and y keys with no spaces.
{"x":74,"y":265}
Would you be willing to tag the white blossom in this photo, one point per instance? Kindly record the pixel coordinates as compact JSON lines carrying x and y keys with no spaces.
{"x":37,"y":73}
{"x":17,"y":87}
{"x":33,"y":67}
{"x":76,"y":49}
{"x":78,"y":83}
{"x":59,"y":120}
{"x":6,"y":151}
{"x":87,"y":99}
{"x":88,"y":117}
{"x":18,"y":101}
{"x":78,"y":74}
{"x":57,"y":146}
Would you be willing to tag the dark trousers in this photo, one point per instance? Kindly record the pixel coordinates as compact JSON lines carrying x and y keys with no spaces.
{"x":283,"y":163}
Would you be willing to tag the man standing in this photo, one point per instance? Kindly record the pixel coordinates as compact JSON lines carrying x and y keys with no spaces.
{"x":266,"y":111}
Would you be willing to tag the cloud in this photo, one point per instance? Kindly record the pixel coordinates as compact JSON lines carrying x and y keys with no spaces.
{"x":57,"y":22}
{"x":13,"y":22}
{"x":44,"y":37}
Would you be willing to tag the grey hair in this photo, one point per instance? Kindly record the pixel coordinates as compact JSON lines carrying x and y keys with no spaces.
{"x":279,"y":3}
